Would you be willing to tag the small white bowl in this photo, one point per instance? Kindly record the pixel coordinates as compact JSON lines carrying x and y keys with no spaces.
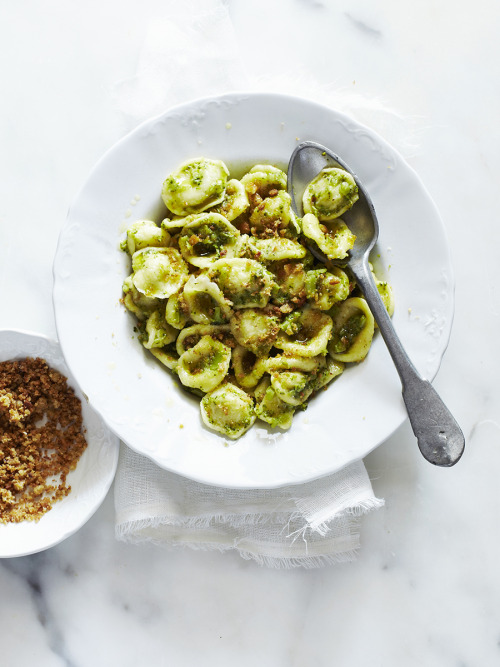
{"x":91,"y":479}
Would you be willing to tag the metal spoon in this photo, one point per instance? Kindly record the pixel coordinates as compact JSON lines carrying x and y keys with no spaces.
{"x":439,"y":436}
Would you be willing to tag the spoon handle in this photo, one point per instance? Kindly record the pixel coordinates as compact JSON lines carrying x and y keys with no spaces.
{"x":439,"y":436}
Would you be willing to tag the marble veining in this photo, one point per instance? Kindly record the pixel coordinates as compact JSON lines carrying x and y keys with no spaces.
{"x":364,"y":27}
{"x":424,"y":590}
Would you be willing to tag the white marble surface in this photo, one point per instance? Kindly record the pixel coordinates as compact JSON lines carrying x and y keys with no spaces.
{"x":426,"y":585}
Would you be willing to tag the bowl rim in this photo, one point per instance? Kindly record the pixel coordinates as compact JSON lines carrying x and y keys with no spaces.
{"x":238,"y":96}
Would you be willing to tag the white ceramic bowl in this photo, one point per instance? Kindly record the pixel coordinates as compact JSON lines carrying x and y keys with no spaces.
{"x":139,"y":400}
{"x":91,"y":479}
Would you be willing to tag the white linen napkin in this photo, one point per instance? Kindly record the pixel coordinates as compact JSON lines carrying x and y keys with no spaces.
{"x":305,"y":525}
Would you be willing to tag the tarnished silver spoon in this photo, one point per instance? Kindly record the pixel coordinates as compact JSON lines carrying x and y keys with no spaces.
{"x":439,"y":436}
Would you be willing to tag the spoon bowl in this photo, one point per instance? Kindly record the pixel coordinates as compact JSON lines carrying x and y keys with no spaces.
{"x":307,"y":160}
{"x":439,"y":437}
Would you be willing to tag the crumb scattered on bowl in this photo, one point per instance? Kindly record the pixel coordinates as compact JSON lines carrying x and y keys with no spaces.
{"x":41,"y":438}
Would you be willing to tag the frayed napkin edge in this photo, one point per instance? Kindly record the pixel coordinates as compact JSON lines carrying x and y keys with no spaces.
{"x":133,"y":532}
{"x":129,"y":535}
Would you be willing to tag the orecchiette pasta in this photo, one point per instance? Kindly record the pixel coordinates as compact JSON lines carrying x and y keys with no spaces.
{"x":205,"y":365}
{"x":385,"y":291}
{"x":325,"y":288}
{"x":248,"y":368}
{"x":158,"y":272}
{"x":228,"y":297}
{"x":141,"y":305}
{"x":177,"y":311}
{"x":189,"y":336}
{"x":309,"y":336}
{"x":195,"y":186}
{"x":271,"y":408}
{"x":245,"y":282}
{"x":330,"y":194}
{"x":144,"y":233}
{"x":333,"y":238}
{"x":167,"y":355}
{"x":330,"y":370}
{"x":206,"y":237}
{"x":282,"y":362}
{"x":274,"y":215}
{"x":270,"y":250}
{"x":205,"y":301}
{"x":228,"y":409}
{"x":158,"y":332}
{"x":293,"y":387}
{"x":235,"y":201}
{"x":290,"y":283}
{"x":255,"y":330}
{"x":263,"y":181}
{"x":353,"y":327}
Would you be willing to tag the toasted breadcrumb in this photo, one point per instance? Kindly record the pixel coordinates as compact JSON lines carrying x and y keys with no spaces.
{"x":41,"y":438}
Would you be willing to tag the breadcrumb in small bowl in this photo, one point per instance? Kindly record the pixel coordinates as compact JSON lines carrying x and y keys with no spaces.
{"x":57,"y":458}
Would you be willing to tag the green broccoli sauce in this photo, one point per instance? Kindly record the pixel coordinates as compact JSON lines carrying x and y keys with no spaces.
{"x":244,"y":296}
{"x":290,"y":324}
{"x":303,"y":335}
{"x":272,"y":410}
{"x":210,"y":362}
{"x":172,"y":184}
{"x":314,"y":282}
{"x":344,"y":337}
{"x":249,"y":291}
{"x":194,"y":174}
{"x":212,"y":238}
{"x":205,"y":303}
{"x":337,"y":191}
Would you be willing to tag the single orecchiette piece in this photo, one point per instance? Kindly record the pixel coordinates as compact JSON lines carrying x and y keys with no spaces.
{"x":330,"y":194}
{"x":311,"y":336}
{"x":235,"y":201}
{"x":206,"y":237}
{"x":290,"y":324}
{"x":330,"y":370}
{"x":141,"y":305}
{"x":205,"y":365}
{"x":144,"y":233}
{"x":286,"y":362}
{"x":387,"y":295}
{"x":177,"y":311}
{"x":245,"y":282}
{"x":290,"y":282}
{"x":158,"y":332}
{"x":248,"y":368}
{"x":241,"y":245}
{"x":189,"y":336}
{"x":271,"y":408}
{"x":333,"y":238}
{"x":255,"y":330}
{"x":158,"y":272}
{"x":293,"y":387}
{"x":195,"y":186}
{"x":325,"y":288}
{"x":274,"y":217}
{"x":385,"y":291}
{"x":263,"y":179}
{"x":167,"y":356}
{"x":270,"y":250}
{"x":205,"y":301}
{"x":228,"y":410}
{"x":175,"y":224}
{"x":353,"y":327}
